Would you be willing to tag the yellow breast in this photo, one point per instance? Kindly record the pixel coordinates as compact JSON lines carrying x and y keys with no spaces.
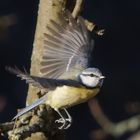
{"x":66,"y":96}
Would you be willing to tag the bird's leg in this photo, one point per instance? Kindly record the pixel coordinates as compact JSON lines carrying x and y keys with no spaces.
{"x":61,"y":120}
{"x":66,"y":122}
{"x":68,"y":119}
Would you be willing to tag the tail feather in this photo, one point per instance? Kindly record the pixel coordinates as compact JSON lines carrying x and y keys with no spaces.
{"x":32,"y":106}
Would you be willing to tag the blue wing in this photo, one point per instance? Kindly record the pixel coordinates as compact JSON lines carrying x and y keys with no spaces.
{"x":43,"y":83}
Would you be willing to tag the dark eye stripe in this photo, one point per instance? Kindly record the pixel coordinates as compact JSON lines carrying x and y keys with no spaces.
{"x":91,"y":75}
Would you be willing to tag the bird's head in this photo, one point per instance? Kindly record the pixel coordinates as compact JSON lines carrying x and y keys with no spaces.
{"x":91,"y":77}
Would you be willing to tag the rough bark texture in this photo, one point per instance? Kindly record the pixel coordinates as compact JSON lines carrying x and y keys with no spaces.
{"x":48,"y":9}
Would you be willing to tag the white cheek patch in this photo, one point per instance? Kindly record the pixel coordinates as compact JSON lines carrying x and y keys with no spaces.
{"x":89,"y":81}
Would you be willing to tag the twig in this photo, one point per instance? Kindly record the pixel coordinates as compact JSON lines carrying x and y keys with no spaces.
{"x":135,"y":136}
{"x":4,"y":127}
{"x":25,"y":131}
{"x":93,"y":27}
{"x":90,"y":25}
{"x":78,"y":7}
{"x":114,"y":129}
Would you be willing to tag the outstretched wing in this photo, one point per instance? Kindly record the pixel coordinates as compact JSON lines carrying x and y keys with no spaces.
{"x":67,"y":47}
{"x":43,"y":83}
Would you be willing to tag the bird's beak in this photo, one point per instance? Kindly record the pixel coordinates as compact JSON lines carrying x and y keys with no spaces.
{"x":102,"y":77}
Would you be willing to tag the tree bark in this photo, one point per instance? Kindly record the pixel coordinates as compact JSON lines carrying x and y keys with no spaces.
{"x":48,"y":9}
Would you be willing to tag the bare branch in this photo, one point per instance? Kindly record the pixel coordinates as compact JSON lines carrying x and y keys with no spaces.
{"x":114,"y":129}
{"x":78,"y":7}
{"x":135,"y":136}
{"x":92,"y":27}
{"x":5,"y":127}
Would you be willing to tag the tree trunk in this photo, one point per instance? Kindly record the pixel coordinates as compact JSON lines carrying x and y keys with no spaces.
{"x":48,"y":9}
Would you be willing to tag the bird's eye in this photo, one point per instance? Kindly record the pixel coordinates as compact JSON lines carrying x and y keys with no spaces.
{"x":91,"y":75}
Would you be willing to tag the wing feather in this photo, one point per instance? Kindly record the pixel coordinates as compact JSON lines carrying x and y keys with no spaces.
{"x":43,"y":83}
{"x":24,"y":76}
{"x":67,"y":47}
{"x":30,"y":107}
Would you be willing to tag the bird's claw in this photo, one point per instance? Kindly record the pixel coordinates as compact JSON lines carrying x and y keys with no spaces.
{"x":62,"y":121}
{"x":66,"y":123}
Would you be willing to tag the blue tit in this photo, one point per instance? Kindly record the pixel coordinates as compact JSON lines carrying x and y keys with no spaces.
{"x":66,"y":78}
